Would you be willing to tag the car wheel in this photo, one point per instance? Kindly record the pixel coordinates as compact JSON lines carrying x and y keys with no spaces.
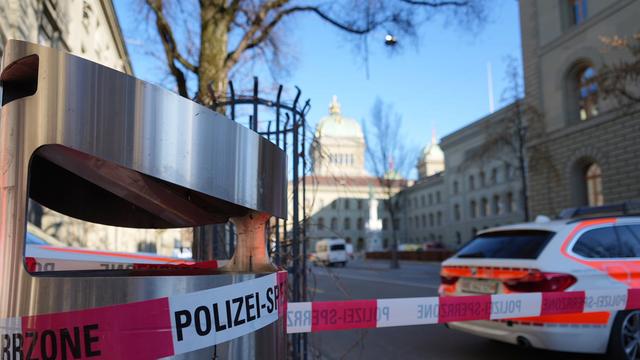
{"x":624,"y":343}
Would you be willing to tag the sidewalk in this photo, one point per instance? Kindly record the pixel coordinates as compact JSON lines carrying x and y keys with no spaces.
{"x":369,"y":264}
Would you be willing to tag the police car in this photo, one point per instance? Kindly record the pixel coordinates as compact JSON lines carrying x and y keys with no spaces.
{"x":596,"y":248}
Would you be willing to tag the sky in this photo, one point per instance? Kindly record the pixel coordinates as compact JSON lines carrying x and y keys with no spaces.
{"x":439,"y":82}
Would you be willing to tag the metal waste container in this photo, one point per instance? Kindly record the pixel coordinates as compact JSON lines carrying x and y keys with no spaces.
{"x":98,"y":145}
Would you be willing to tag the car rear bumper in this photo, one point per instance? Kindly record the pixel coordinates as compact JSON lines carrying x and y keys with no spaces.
{"x":558,"y":337}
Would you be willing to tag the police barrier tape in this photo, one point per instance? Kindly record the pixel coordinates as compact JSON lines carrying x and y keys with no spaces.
{"x":359,"y":314}
{"x":148,"y":329}
{"x":182,"y":323}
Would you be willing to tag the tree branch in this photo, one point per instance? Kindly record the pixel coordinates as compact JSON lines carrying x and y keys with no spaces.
{"x":436,"y":4}
{"x":166,"y":35}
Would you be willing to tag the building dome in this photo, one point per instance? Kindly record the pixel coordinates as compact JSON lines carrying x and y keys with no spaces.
{"x":336,"y":125}
{"x":431,"y":160}
{"x":432,"y":152}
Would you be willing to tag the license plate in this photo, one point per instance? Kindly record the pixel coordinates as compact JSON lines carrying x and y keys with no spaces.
{"x":479,"y":286}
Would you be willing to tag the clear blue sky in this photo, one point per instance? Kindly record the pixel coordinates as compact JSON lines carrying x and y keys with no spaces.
{"x":441,"y":82}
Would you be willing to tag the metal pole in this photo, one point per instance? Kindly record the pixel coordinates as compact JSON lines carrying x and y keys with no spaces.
{"x":277,"y":249}
{"x":254,"y":123}
{"x":305,"y":337}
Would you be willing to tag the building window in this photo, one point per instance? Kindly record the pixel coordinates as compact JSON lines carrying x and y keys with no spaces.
{"x":458,"y":238}
{"x":321,"y":223}
{"x":417,"y":219}
{"x":510,"y":203}
{"x":508,"y":171}
{"x":422,"y":202}
{"x":359,"y":204}
{"x":360,"y":224}
{"x":385,"y":224}
{"x":494,"y":176}
{"x":431,"y":219}
{"x":334,"y":224}
{"x":577,"y":11}
{"x":424,"y":220}
{"x":360,"y":244}
{"x":484,"y":207}
{"x":334,"y":204}
{"x":346,"y":204}
{"x":472,"y":209}
{"x":439,"y":217}
{"x":587,"y":91}
{"x":482,"y":179}
{"x":396,"y":224}
{"x":496,"y":205}
{"x":456,"y":212}
{"x":594,"y":185}
{"x":410,"y":222}
{"x":430,"y":199}
{"x":347,"y":224}
{"x":438,"y":199}
{"x":472,"y":183}
{"x":455,"y":187}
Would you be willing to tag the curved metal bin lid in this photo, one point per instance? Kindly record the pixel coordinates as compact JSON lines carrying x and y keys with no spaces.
{"x":105,"y":147}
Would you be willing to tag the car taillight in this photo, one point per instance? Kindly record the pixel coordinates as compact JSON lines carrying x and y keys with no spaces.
{"x":448,"y":280}
{"x":537,"y":281}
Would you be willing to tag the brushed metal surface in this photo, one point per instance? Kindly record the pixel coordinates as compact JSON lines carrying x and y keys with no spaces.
{"x":96,"y":129}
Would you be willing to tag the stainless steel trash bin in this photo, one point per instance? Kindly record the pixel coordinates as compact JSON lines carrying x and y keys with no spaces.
{"x":102,"y":146}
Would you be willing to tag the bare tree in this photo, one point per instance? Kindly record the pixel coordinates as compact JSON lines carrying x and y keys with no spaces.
{"x":619,"y":80}
{"x":507,"y":138}
{"x":231,"y":31}
{"x":388,"y":157}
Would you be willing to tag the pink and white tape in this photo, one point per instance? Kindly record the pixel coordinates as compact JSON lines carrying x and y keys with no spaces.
{"x":358,"y":314}
{"x":148,"y":329}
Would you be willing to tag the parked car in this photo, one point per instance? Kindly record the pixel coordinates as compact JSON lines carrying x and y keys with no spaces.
{"x":331,"y":252}
{"x":586,"y":250}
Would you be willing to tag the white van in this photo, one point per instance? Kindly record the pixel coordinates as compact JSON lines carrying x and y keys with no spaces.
{"x":331,"y":251}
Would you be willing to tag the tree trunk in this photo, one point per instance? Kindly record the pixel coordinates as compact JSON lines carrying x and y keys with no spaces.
{"x":214,"y":38}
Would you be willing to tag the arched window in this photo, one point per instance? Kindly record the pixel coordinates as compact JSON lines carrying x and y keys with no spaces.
{"x":587,"y":93}
{"x":593,"y":178}
{"x":321,"y":223}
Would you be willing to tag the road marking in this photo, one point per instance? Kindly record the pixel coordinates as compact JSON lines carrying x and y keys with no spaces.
{"x":386,"y":281}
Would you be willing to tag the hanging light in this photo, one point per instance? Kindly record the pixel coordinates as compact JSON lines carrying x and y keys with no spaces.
{"x":390,"y":40}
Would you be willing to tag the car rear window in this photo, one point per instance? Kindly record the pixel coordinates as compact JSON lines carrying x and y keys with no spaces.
{"x":337,"y":247}
{"x":520,"y":244}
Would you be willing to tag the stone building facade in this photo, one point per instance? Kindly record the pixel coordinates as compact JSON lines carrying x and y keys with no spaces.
{"x":483,"y":191}
{"x":588,"y":154}
{"x":86,"y":28}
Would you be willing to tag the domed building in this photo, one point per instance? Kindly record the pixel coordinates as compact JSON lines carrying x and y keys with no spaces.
{"x":431,"y":160}
{"x":338,"y":147}
{"x":340,"y":192}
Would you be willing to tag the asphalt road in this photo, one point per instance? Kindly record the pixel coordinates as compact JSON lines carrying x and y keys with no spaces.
{"x":373,"y":279}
